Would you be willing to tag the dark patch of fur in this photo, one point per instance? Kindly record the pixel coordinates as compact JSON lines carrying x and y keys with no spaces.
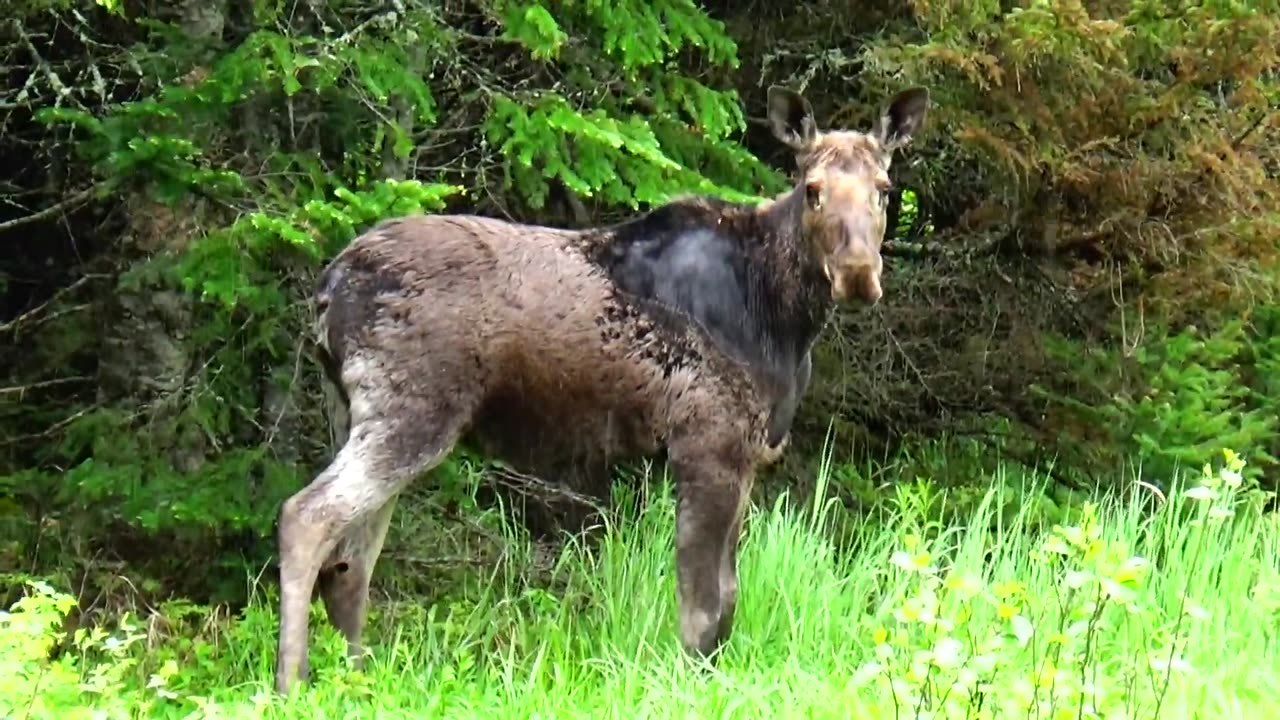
{"x":741,"y":274}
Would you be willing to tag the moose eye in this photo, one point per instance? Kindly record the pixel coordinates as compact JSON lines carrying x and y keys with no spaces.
{"x":813,"y":194}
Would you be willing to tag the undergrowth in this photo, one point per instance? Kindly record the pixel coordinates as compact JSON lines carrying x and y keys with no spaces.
{"x":1137,"y":606}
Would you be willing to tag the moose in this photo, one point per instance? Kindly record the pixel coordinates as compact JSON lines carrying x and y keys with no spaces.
{"x":686,"y":329}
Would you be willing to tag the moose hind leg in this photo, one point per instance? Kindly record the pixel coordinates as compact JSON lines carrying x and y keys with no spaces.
{"x":708,"y":500}
{"x":345,"y":576}
{"x":378,"y":460}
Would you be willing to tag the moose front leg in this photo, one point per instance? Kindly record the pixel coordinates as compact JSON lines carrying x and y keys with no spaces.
{"x":710,"y":500}
{"x":783,"y":413}
{"x":703,"y":521}
{"x":729,"y":570}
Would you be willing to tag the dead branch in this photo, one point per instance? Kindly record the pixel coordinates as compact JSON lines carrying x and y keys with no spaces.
{"x":47,"y":432}
{"x":15,"y":323}
{"x":537,"y":487}
{"x":21,"y":390}
{"x":64,"y":204}
{"x":948,"y":246}
{"x":54,"y":81}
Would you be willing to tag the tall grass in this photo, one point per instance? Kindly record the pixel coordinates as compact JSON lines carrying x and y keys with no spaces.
{"x":1136,"y":608}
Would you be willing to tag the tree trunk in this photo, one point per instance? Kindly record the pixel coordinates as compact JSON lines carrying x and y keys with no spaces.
{"x":145,"y":363}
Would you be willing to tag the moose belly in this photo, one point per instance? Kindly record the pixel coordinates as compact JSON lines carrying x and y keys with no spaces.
{"x":544,"y":429}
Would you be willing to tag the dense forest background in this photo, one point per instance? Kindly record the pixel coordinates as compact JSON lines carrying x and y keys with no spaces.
{"x":1081,"y":270}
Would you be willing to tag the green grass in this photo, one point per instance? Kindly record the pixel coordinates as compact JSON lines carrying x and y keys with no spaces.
{"x":982,"y":607}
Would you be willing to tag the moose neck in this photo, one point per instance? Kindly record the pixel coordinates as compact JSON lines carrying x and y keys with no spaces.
{"x":747,"y":273}
{"x":788,"y":276}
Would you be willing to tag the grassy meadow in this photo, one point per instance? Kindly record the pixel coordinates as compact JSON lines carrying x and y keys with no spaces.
{"x":1135,"y":607}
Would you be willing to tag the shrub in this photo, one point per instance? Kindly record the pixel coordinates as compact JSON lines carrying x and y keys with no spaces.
{"x":975,"y":644}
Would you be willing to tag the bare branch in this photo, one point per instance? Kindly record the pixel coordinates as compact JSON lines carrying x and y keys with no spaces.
{"x":54,"y":81}
{"x":532,"y":485}
{"x":21,"y":390}
{"x":54,"y":209}
{"x":948,"y":245}
{"x":28,"y":315}
{"x":17,"y":439}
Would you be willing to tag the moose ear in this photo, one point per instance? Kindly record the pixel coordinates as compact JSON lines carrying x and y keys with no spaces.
{"x":902,"y":117}
{"x":791,"y":118}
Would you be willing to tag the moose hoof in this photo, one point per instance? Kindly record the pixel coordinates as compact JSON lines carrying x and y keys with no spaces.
{"x":701,"y":636}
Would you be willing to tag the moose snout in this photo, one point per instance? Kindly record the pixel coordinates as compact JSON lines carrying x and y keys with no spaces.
{"x":858,"y":280}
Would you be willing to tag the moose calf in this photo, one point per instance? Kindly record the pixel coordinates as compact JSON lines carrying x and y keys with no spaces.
{"x":686,"y":328}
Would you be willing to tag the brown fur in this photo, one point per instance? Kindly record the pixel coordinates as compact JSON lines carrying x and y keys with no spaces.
{"x":524,"y":338}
